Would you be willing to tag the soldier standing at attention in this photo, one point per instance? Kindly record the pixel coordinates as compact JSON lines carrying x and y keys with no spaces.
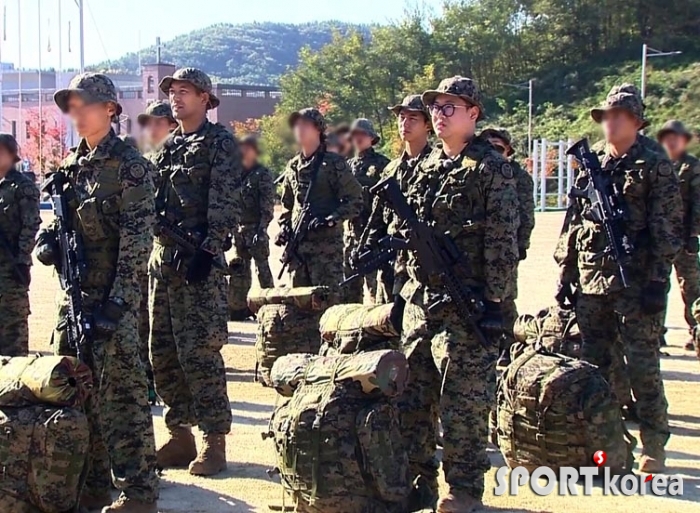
{"x":609,"y":314}
{"x":251,"y":241}
{"x":466,"y":190}
{"x":198,"y":169}
{"x":501,"y":140}
{"x":367,"y":166}
{"x":114,"y":217}
{"x":19,"y":222}
{"x":324,"y":180}
{"x":674,"y":137}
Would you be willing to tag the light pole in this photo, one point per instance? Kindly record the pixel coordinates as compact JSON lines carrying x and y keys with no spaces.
{"x":527,"y":85}
{"x":651,"y":52}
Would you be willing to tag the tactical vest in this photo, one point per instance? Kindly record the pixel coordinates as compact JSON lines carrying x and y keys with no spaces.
{"x":250,"y":195}
{"x":10,"y":215}
{"x":324,"y":195}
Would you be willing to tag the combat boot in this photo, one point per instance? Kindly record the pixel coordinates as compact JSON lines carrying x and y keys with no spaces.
{"x":95,"y":501}
{"x":690,"y":345}
{"x":126,"y":505}
{"x":179,"y":450}
{"x":458,"y":501}
{"x":211,"y":458}
{"x":653,"y":464}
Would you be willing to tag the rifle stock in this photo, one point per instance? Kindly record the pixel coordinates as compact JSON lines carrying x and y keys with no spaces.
{"x":186,"y":241}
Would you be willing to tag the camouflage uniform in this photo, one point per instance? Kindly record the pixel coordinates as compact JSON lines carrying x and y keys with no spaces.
{"x":251,"y":241}
{"x":473,"y":198}
{"x":114,"y":216}
{"x":19,"y":222}
{"x":367,"y":168}
{"x":615,"y":321}
{"x":197,"y":175}
{"x":336,"y":195}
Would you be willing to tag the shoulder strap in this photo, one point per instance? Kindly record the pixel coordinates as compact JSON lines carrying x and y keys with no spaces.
{"x":318,"y":160}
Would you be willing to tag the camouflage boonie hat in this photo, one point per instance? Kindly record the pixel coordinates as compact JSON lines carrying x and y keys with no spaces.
{"x":673,"y":127}
{"x":365,"y":126}
{"x":92,"y":88}
{"x":8,"y":142}
{"x":156,"y":110}
{"x":460,"y":87}
{"x":413,"y":103}
{"x":309,"y":114}
{"x":197,"y":78}
{"x":503,"y":135}
{"x":625,"y":97}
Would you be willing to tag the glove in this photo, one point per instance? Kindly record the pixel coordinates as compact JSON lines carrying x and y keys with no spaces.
{"x":259,"y":237}
{"x":654,"y":297}
{"x":46,"y":250}
{"x":522,"y":254}
{"x":355,"y":255}
{"x":108,"y":316}
{"x":692,"y":246}
{"x":565,"y":292}
{"x":492,"y":321}
{"x":199,"y":267}
{"x":282,"y":237}
{"x":25,"y":274}
{"x":322,"y":222}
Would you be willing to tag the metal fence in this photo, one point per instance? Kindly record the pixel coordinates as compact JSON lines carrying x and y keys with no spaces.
{"x":552,"y":174}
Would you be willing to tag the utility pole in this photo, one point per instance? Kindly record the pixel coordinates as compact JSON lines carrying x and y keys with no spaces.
{"x":529,"y":86}
{"x":82,"y":35}
{"x":41,"y":99}
{"x":651,"y":52}
{"x":20,"y":125}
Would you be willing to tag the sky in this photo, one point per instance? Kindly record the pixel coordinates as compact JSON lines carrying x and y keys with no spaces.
{"x":115,"y":27}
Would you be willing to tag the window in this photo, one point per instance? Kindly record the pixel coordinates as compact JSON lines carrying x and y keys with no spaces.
{"x":255,"y":94}
{"x":276,"y":94}
{"x":150,"y":84}
{"x":14,"y":129}
{"x":26,"y":129}
{"x":231,"y":92}
{"x":128,"y":95}
{"x":128,"y":126}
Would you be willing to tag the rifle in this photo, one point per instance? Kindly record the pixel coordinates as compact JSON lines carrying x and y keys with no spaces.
{"x":7,"y":247}
{"x":606,"y":207}
{"x":372,"y":260}
{"x":71,"y":267}
{"x":187,"y":242}
{"x":437,"y":254}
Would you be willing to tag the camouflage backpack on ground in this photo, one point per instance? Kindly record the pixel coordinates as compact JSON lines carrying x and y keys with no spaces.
{"x":287,"y":323}
{"x":558,"y":411}
{"x":348,"y":329}
{"x":554,"y":327}
{"x":43,"y":451}
{"x":337,"y":440}
{"x":695,"y":310}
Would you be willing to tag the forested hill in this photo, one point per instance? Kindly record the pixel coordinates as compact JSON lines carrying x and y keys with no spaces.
{"x":252,"y":53}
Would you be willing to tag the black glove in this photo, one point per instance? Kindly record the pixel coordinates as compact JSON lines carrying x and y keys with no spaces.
{"x":282,"y":237}
{"x":492,"y":321}
{"x":47,"y":251}
{"x":654,"y":297}
{"x":199,"y":268}
{"x":24,"y":277}
{"x":565,"y":292}
{"x":522,"y":254}
{"x":322,"y":222}
{"x":692,"y":246}
{"x":108,"y":316}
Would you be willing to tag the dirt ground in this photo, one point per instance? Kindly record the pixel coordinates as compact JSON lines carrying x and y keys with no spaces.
{"x":245,"y":486}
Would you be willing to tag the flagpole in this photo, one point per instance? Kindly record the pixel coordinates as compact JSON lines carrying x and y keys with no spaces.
{"x":41,"y":99}
{"x":82,"y":37}
{"x":20,"y":125}
{"x":59,"y":82}
{"x":2,"y":43}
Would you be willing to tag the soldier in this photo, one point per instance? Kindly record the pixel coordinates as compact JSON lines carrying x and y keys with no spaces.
{"x":198,"y":169}
{"x":19,"y":222}
{"x":367,"y":166}
{"x":414,"y":127}
{"x":609,"y":314}
{"x":674,"y":137}
{"x":114,"y":217}
{"x":251,"y":241}
{"x":465,"y":189}
{"x":323,"y":180}
{"x":341,"y":133}
{"x":501,"y":140}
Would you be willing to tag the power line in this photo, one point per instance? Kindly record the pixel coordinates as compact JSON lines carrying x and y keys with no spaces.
{"x":99,"y":34}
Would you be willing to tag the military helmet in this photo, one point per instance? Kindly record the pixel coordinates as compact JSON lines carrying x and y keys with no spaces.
{"x":503,"y":135}
{"x":459,"y":87}
{"x":8,"y":142}
{"x":365,"y":126}
{"x":309,"y":114}
{"x":623,"y":97}
{"x":197,"y":78}
{"x":158,"y":109}
{"x":673,"y":127}
{"x":92,"y":88}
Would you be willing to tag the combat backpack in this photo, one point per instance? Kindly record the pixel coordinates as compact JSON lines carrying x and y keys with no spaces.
{"x":555,"y":328}
{"x":337,"y":440}
{"x":557,"y":411}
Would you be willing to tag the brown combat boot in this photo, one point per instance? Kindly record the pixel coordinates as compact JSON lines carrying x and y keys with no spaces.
{"x":458,"y":501}
{"x":652,"y":464}
{"x":212,"y":458}
{"x":126,"y":505}
{"x":179,"y":450}
{"x":95,"y":501}
{"x":690,"y":345}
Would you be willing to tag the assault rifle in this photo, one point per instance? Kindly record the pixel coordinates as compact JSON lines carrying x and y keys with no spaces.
{"x":299,"y":231}
{"x":372,"y":260}
{"x":606,"y":207}
{"x":71,"y":267}
{"x":187,"y":242}
{"x":437,"y":254}
{"x":7,"y":248}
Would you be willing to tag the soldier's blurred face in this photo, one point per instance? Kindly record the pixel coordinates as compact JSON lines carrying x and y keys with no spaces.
{"x":412,"y":126}
{"x":305,"y":133}
{"x":89,"y":118}
{"x":361,"y":140}
{"x":186,"y":100}
{"x":619,"y":125}
{"x":7,"y":160}
{"x":674,"y":144}
{"x":156,"y":130}
{"x":249,"y":156}
{"x":501,"y":146}
{"x":453,"y":118}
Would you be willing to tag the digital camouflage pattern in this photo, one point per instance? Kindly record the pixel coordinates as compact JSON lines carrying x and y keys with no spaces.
{"x":673,"y":126}
{"x":43,"y":454}
{"x":611,"y":318}
{"x":695,"y":310}
{"x":92,"y":88}
{"x":365,"y":125}
{"x":114,"y":217}
{"x":338,"y":444}
{"x":53,"y":380}
{"x":194,"y":76}
{"x":412,"y":102}
{"x":156,"y":109}
{"x":337,"y":194}
{"x":556,"y":411}
{"x":624,"y":97}
{"x":306,"y":299}
{"x":309,"y":114}
{"x":251,"y":241}
{"x":472,"y":198}
{"x":196,"y":182}
{"x":352,"y":328}
{"x":553,"y":328}
{"x":19,"y":223}
{"x":460,"y":87}
{"x":283,"y":329}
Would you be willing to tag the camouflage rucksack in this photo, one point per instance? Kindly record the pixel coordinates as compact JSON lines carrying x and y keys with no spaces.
{"x":338,"y":441}
{"x":554,"y":327}
{"x":43,"y":451}
{"x":558,"y":411}
{"x":347,"y":329}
